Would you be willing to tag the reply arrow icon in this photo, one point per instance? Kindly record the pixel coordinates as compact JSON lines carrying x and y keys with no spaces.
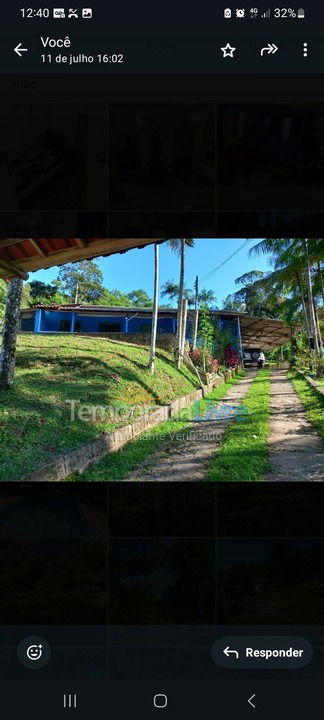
{"x":19,"y":49}
{"x":229,"y":652}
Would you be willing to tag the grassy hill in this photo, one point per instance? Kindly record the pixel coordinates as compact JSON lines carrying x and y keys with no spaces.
{"x":52,"y":371}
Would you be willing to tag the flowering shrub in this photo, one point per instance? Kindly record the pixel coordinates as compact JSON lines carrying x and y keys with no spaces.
{"x":203,"y":360}
{"x":231,"y":356}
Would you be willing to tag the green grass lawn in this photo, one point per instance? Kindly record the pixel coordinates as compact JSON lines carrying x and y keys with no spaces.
{"x":312,"y":400}
{"x":52,"y":370}
{"x":243,"y":455}
{"x":115,"y":466}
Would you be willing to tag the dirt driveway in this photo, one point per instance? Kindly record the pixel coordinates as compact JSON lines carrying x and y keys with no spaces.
{"x":188,"y":458}
{"x":296,"y":451}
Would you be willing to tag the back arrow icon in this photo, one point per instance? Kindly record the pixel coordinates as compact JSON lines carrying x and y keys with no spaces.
{"x":270,"y":49}
{"x":250,"y":701}
{"x":19,"y":49}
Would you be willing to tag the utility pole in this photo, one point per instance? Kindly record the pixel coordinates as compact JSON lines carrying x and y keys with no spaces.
{"x":155,"y":309}
{"x":240,"y":337}
{"x":196,"y":316}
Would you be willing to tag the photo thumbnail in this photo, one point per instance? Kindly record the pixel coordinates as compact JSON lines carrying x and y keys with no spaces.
{"x":154,"y":360}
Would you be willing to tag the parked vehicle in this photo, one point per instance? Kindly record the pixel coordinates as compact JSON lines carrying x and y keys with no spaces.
{"x":251,"y":357}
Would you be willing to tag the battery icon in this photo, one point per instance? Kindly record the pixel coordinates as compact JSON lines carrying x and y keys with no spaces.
{"x":301,"y":13}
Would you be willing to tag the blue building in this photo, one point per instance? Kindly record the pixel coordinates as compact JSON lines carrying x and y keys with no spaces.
{"x":95,"y":319}
{"x":111,"y":321}
{"x":117,"y":322}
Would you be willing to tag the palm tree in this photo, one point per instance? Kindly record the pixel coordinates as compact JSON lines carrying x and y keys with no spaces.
{"x":155,"y":308}
{"x":312,"y":310}
{"x":293,"y":260}
{"x":171,"y":289}
{"x":207,"y":297}
{"x":179,"y":246}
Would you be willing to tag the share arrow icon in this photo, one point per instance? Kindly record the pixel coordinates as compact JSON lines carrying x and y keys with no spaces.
{"x":19,"y":49}
{"x":270,"y":49}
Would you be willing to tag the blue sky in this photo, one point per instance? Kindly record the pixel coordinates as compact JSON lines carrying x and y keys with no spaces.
{"x":134,"y":269}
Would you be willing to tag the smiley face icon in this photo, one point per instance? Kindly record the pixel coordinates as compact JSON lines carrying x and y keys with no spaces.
{"x":34,"y":652}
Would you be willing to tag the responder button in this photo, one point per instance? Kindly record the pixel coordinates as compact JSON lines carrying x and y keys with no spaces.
{"x":262,"y":653}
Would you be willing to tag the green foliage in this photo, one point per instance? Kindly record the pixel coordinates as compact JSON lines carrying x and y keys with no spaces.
{"x":45,"y":291}
{"x":312,"y":400}
{"x":116,"y":466}
{"x":206,"y":329}
{"x":139,"y":298}
{"x":113,"y":298}
{"x":25,"y":296}
{"x":230,"y":303}
{"x":81,"y":281}
{"x":222,"y":339}
{"x":243,"y":456}
{"x":172,"y":289}
{"x":207,"y":297}
{"x":3,"y":293}
{"x":53,"y":370}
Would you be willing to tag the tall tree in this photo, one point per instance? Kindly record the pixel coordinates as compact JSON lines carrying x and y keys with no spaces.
{"x":155,"y":308}
{"x":179,"y":246}
{"x":207,"y":297}
{"x":312,"y":312}
{"x":140,"y":298}
{"x":9,"y":333}
{"x":171,"y":290}
{"x":82,"y":281}
{"x":298,"y":259}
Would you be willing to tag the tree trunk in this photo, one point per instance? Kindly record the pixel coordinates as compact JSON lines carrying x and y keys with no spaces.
{"x":196,"y":317}
{"x":302,"y":296}
{"x":155,"y":309}
{"x":320,"y":339}
{"x":9,"y":334}
{"x":180,"y":299}
{"x":320,"y":274}
{"x":184,"y":326}
{"x":310,"y":300}
{"x":76,"y":293}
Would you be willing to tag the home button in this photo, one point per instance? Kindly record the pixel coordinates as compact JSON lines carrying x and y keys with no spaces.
{"x":160,"y":701}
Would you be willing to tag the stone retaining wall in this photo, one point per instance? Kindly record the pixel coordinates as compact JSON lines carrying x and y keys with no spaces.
{"x":78,"y":460}
{"x":163,"y":340}
{"x":313,"y":383}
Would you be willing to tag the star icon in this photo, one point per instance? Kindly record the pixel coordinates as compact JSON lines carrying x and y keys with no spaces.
{"x":228,"y":50}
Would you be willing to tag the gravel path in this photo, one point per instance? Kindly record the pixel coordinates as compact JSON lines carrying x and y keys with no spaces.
{"x":187,"y":459}
{"x":296,"y":451}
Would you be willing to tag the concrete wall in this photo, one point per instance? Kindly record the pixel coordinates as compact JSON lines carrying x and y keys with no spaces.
{"x":163,"y":340}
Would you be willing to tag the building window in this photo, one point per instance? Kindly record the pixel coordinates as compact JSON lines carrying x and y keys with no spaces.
{"x":27,"y":324}
{"x":145,"y":327}
{"x":65,"y":326}
{"x":110,"y":327}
